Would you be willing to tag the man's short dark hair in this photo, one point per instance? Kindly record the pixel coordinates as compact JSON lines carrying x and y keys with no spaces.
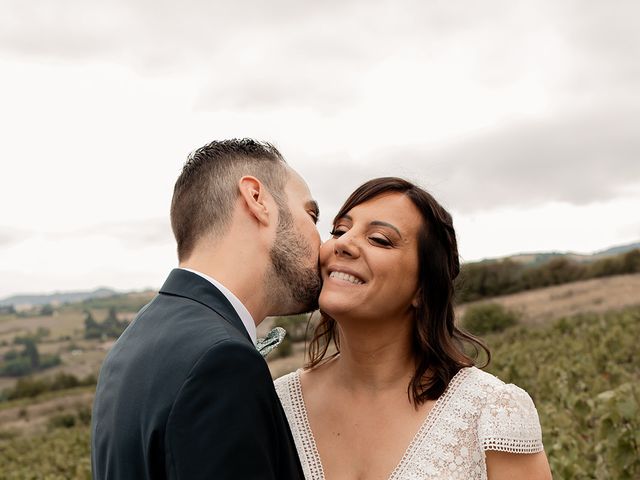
{"x":205,"y":193}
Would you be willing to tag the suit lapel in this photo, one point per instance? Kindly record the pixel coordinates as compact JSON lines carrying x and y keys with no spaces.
{"x":186,"y":284}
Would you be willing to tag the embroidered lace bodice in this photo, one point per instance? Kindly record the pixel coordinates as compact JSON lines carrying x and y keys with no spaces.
{"x":477,"y":412}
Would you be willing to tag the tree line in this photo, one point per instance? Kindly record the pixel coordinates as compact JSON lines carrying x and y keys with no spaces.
{"x":110,"y":327}
{"x":27,"y":359}
{"x":490,"y":279}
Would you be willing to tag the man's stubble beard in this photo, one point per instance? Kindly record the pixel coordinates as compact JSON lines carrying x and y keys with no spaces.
{"x":293,"y":286}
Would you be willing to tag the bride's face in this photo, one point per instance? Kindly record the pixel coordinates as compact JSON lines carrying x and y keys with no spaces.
{"x":370,"y":265}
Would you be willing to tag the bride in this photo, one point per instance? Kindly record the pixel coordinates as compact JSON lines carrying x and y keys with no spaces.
{"x":401,"y":399}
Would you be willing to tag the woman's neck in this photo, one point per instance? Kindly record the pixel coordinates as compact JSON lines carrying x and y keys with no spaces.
{"x":374,"y":358}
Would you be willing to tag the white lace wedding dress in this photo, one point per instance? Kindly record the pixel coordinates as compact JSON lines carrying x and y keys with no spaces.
{"x":477,"y":412}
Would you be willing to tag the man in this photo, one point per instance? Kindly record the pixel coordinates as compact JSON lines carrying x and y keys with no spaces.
{"x":183,"y":393}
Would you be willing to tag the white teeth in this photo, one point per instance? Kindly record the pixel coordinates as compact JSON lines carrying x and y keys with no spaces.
{"x":346,"y":277}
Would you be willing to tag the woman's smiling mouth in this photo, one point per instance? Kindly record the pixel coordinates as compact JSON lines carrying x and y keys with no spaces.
{"x":347,"y":277}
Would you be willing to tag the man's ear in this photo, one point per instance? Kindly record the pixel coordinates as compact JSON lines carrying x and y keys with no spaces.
{"x":255,"y":198}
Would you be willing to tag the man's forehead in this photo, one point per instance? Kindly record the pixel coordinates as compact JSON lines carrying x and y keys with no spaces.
{"x":297,"y":184}
{"x":298,"y":191}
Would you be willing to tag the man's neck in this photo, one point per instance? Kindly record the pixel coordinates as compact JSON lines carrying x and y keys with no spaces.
{"x":236,"y":277}
{"x":238,"y":306}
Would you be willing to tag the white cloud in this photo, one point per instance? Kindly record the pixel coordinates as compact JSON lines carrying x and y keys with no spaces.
{"x":42,"y":263}
{"x":502,"y":110}
{"x":554,"y":226}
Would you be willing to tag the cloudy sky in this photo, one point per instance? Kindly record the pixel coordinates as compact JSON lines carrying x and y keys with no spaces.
{"x":523,"y":118}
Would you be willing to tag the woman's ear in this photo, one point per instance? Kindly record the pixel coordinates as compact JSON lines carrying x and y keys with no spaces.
{"x":415,"y":303}
{"x":255,"y":198}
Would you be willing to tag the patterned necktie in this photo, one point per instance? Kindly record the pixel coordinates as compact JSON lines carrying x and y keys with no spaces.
{"x":266,"y":344}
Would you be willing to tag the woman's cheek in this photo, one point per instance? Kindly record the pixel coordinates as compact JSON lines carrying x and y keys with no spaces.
{"x":325,"y":251}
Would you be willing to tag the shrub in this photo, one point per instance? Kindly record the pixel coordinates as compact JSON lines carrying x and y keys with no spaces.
{"x":8,"y":434}
{"x":89,"y":380}
{"x":618,"y":415}
{"x":27,"y":388}
{"x":48,"y":361}
{"x":63,"y":381}
{"x":63,"y":420}
{"x":84,"y":415}
{"x":631,"y":261}
{"x":17,"y":367}
{"x":487,"y":279}
{"x":110,"y":327}
{"x":61,"y":453}
{"x":606,"y":267}
{"x":488,"y":317}
{"x":11,"y":355}
{"x":32,"y":387}
{"x":41,"y":333}
{"x":23,"y":363}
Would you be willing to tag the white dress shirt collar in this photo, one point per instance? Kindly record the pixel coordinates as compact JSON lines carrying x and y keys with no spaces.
{"x":241,"y":310}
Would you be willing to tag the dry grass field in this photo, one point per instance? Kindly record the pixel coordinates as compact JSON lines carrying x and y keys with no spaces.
{"x":82,"y":357}
{"x":32,"y":416}
{"x":596,"y":295}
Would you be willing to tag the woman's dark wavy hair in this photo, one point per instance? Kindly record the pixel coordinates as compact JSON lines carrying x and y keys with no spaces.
{"x":438,"y":345}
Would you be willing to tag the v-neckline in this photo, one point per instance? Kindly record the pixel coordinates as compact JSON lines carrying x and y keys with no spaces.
{"x":422,"y":432}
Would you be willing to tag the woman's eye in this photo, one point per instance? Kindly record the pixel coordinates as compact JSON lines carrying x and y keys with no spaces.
{"x":381,"y":241}
{"x":336,"y":233}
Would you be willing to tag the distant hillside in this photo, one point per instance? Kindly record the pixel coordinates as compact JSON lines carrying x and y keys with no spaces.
{"x":69,"y":297}
{"x":539,"y":258}
{"x":617,"y":250}
{"x":492,"y":278}
{"x":523,"y":260}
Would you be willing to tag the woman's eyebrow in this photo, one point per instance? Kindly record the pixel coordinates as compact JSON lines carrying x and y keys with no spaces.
{"x":385,"y":224}
{"x":378,"y":223}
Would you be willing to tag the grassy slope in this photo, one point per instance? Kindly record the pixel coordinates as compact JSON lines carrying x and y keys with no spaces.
{"x":578,"y":371}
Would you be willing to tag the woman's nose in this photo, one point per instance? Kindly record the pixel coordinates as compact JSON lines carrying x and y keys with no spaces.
{"x":345,"y":246}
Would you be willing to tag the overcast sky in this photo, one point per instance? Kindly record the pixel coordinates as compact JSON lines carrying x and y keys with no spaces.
{"x":522,"y":118}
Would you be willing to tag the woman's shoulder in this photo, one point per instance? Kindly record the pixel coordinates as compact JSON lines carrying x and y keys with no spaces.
{"x":508,"y":419}
{"x":490,"y":386}
{"x":285,"y":383}
{"x":482,"y":378}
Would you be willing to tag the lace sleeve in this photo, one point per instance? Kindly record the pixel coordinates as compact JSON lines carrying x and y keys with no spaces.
{"x":509,"y":422}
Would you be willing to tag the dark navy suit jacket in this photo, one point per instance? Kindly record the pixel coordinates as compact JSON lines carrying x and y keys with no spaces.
{"x":184,"y":394}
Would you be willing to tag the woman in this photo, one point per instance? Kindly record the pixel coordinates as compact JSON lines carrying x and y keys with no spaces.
{"x":401,"y":399}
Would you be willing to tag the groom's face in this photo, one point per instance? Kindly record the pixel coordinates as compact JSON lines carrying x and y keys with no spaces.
{"x":295,"y":276}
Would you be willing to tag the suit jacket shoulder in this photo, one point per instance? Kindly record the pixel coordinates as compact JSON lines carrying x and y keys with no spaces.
{"x":173,"y":386}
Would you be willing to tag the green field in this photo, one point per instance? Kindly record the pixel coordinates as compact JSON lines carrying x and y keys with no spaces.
{"x":583,"y":373}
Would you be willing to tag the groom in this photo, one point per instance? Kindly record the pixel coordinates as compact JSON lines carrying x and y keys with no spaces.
{"x":183,"y":393}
